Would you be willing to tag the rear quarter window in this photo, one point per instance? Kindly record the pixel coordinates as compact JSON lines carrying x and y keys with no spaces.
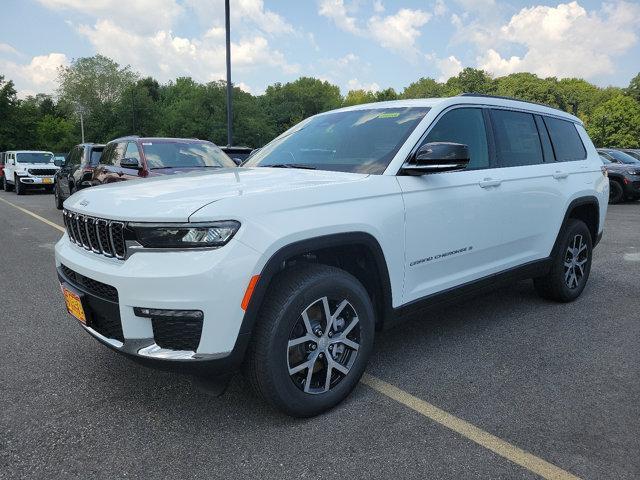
{"x":566,"y":140}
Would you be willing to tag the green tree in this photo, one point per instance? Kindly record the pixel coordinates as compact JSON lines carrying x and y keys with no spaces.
{"x":94,"y":86}
{"x":386,"y":95}
{"x":529,"y":87}
{"x":358,"y":97}
{"x":616,"y":123}
{"x":292,"y":102}
{"x":633,"y":90}
{"x":471,"y":80}
{"x":8,"y":111}
{"x":56,"y":134}
{"x":424,"y":88}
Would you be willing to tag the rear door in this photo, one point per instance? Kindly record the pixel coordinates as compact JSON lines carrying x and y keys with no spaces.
{"x":532,"y":190}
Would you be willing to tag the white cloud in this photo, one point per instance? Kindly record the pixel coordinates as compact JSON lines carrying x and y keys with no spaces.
{"x":355,"y":84}
{"x":243,"y":12}
{"x":440,"y":8}
{"x":565,"y":40}
{"x":378,"y":6}
{"x":6,"y":48}
{"x":39,"y":75}
{"x":449,"y":67}
{"x":166,"y":56}
{"x":141,"y":15}
{"x":397,"y":32}
{"x":337,"y":11}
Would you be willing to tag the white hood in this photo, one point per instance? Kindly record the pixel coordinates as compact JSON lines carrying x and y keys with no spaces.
{"x":174,"y":198}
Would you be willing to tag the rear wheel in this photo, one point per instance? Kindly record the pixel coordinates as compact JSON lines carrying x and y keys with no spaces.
{"x":7,"y":186}
{"x":570,"y":267}
{"x":2,"y":183}
{"x":312,"y":340}
{"x":616,"y":193}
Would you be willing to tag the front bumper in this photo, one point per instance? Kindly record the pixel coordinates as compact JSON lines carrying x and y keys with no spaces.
{"x":212,"y":281}
{"x":40,"y":181}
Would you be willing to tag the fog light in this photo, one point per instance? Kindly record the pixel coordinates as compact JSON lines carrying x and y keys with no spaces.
{"x":162,"y":313}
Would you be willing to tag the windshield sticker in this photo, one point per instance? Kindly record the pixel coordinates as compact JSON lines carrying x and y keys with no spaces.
{"x":389,"y":115}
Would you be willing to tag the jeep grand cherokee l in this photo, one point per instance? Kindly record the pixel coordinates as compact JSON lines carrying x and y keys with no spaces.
{"x":343,"y":225}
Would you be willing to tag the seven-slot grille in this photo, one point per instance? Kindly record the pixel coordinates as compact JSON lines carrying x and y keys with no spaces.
{"x":42,"y":172}
{"x":98,"y":235}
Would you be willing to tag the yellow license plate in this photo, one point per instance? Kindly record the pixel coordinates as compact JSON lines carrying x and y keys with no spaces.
{"x":47,"y":180}
{"x":74,"y":305}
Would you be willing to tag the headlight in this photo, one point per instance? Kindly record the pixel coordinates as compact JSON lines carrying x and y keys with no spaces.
{"x":185,"y":235}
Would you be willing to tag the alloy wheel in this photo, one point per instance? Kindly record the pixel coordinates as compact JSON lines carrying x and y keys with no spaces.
{"x":575,"y":259}
{"x":323,"y":345}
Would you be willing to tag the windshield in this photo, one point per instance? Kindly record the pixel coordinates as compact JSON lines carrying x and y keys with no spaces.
{"x":184,"y":155}
{"x":634,"y":153}
{"x":622,"y":157}
{"x":96,"y":153}
{"x":357,"y":141}
{"x":34,"y":157}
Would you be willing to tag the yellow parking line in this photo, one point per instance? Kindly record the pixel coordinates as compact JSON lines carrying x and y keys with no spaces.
{"x":471,"y":432}
{"x":491,"y":442}
{"x":28,"y":212}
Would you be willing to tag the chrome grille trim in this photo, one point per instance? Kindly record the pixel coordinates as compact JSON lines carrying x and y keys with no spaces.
{"x":97,"y":235}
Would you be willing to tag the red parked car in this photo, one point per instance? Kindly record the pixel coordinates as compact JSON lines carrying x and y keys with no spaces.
{"x":129,"y":158}
{"x":2,"y":154}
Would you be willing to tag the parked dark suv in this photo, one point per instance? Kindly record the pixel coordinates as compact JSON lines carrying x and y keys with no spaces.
{"x":129,"y":158}
{"x":75,"y":171}
{"x":624,"y":175}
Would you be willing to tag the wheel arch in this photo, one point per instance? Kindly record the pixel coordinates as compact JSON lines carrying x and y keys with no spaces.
{"x":379,"y":285}
{"x":586,"y":209}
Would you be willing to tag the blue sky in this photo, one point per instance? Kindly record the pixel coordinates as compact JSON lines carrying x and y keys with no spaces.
{"x":370,"y":44}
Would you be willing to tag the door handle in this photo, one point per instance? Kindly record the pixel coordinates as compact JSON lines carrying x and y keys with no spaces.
{"x":490,"y":182}
{"x":560,"y":175}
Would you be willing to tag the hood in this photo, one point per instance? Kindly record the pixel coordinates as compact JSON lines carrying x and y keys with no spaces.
{"x":174,"y":198}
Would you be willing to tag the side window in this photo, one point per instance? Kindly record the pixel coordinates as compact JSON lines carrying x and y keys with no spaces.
{"x":118,"y":153}
{"x":463,"y":125}
{"x":74,"y":157}
{"x":565,"y":139}
{"x":517,"y":139}
{"x":107,"y":155}
{"x":132,"y":151}
{"x":547,"y":149}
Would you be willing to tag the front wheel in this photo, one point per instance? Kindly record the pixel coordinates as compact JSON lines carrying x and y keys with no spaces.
{"x":57,"y":197}
{"x":616,"y":193}
{"x":20,"y":189}
{"x":570,"y":266}
{"x":312,"y":340}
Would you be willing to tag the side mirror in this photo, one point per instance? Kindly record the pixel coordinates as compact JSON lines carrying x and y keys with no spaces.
{"x":438,"y":157}
{"x":85,"y":184}
{"x":130,"y":163}
{"x":58,"y":162}
{"x":237,"y":161}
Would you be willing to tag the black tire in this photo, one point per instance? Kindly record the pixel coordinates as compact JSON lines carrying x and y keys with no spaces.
{"x":7,"y":186}
{"x":616,"y":193}
{"x":2,"y":183}
{"x":56,"y":196}
{"x":20,"y":189}
{"x":559,"y":285}
{"x":267,"y":365}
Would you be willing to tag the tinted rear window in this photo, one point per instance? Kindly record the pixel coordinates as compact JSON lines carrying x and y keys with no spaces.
{"x":566,"y":141}
{"x":517,"y":139}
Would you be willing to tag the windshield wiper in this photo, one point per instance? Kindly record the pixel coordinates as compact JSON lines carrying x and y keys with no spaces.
{"x":291,"y":165}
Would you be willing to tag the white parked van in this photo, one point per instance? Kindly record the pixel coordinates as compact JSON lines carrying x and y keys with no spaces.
{"x":28,"y":168}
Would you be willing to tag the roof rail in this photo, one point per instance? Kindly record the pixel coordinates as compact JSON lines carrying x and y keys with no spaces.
{"x":125,"y":137}
{"x":485,"y":95}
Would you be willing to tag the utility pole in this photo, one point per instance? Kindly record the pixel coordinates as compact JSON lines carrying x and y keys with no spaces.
{"x":229,"y":86}
{"x":82,"y":126}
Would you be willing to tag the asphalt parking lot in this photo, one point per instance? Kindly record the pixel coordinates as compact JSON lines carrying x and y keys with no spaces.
{"x":559,"y":382}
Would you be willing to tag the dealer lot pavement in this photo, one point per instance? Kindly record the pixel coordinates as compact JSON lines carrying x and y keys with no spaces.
{"x":561,"y":382}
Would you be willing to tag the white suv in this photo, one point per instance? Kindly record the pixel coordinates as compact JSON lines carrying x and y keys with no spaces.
{"x":28,"y":168}
{"x":343,"y":225}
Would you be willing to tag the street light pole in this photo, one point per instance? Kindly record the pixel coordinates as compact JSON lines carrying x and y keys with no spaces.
{"x":82,"y":126}
{"x":229,"y":86}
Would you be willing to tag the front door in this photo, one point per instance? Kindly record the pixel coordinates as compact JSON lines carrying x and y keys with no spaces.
{"x":454,"y":226}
